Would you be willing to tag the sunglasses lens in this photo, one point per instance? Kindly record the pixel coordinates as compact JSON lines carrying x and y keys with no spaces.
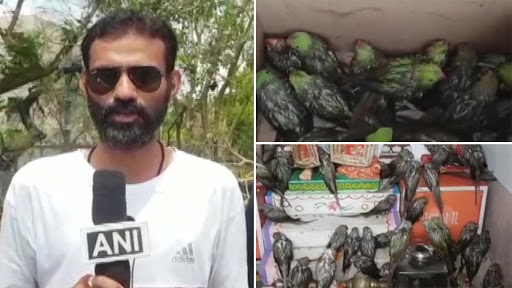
{"x":145,"y":78}
{"x":103,"y":80}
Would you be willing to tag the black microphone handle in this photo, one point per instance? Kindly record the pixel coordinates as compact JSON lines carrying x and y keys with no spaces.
{"x":118,"y":271}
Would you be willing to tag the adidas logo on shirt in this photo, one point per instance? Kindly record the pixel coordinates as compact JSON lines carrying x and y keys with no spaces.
{"x":186,"y":255}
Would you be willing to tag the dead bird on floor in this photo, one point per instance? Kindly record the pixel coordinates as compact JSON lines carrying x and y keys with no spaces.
{"x":301,"y":274}
{"x":493,"y":277}
{"x":328,"y":173}
{"x":282,"y":249}
{"x":338,"y":238}
{"x":415,"y":209}
{"x":278,"y":215}
{"x":368,"y":246}
{"x":325,"y":268}
{"x":469,"y":232}
{"x":351,"y":247}
{"x":366,"y":265}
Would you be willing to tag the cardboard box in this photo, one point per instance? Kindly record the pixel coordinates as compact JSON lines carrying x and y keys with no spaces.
{"x":396,"y":26}
{"x":458,"y":195}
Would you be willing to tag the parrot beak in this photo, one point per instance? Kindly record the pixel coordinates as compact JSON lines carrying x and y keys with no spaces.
{"x":271,"y":41}
{"x":443,"y":76}
{"x":360,"y":42}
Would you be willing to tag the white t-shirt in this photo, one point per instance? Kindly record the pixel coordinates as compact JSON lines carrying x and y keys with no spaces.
{"x":194,"y":207}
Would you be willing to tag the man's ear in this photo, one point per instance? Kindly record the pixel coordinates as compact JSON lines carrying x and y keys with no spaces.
{"x":82,"y":85}
{"x":174,"y":79}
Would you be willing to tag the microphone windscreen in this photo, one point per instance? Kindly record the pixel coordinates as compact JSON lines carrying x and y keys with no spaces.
{"x":109,"y":197}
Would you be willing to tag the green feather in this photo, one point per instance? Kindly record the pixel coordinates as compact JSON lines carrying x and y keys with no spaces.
{"x":299,"y":79}
{"x":384,"y":134}
{"x":263,"y":77}
{"x":428,"y":75}
{"x":505,"y":72}
{"x":301,"y":41}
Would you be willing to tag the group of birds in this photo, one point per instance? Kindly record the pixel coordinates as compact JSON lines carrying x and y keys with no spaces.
{"x":359,"y":250}
{"x":462,"y":95}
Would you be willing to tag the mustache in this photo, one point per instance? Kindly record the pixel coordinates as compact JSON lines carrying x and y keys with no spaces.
{"x":126,"y":108}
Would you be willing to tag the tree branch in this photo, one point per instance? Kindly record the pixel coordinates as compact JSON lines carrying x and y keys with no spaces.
{"x":15,"y":17}
{"x":8,"y":84}
{"x":243,"y":160}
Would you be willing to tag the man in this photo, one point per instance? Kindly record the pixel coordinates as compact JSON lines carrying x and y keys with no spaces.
{"x":193,"y":206}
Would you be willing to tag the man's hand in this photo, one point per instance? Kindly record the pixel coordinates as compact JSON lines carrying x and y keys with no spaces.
{"x":91,"y":281}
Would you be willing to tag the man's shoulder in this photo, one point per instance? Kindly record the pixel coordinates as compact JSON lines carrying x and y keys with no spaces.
{"x":48,"y":165}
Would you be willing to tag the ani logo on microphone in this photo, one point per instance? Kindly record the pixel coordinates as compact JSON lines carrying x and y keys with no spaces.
{"x":115,"y":241}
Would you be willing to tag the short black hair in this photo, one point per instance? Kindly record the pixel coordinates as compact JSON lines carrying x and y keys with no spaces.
{"x":120,"y":22}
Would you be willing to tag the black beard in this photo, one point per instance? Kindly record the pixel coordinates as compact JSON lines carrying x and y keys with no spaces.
{"x":127,"y":136}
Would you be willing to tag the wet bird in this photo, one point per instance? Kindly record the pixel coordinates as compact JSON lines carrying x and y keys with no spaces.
{"x":351,"y":247}
{"x":473,"y":156}
{"x":325,"y":268}
{"x":363,"y":281}
{"x":328,"y":173}
{"x":469,"y":232}
{"x":397,"y":168}
{"x":279,"y":56}
{"x":412,"y":178}
{"x":432,"y":179}
{"x":439,"y":156}
{"x":268,"y":152}
{"x":384,"y":270}
{"x":277,"y":101}
{"x":278,"y":215}
{"x":301,"y":274}
{"x":282,"y":249}
{"x":415,"y":209}
{"x":474,"y":254}
{"x":383,"y":206}
{"x":493,"y":277}
{"x":338,"y":238}
{"x":283,"y":173}
{"x":398,"y":247}
{"x":442,"y":243}
{"x":368,"y":246}
{"x":366,"y":265}
{"x":382,"y":240}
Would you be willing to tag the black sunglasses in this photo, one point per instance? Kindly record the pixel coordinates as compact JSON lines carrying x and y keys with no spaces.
{"x":103,"y":80}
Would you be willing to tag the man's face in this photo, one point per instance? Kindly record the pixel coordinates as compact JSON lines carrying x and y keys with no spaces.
{"x":127,"y":89}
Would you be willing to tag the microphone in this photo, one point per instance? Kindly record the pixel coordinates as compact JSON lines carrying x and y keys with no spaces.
{"x":116,"y":238}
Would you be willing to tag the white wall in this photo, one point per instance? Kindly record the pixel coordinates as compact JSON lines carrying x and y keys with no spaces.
{"x":499,"y":160}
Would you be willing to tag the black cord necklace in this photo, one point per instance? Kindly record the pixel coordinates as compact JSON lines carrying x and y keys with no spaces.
{"x":162,"y":156}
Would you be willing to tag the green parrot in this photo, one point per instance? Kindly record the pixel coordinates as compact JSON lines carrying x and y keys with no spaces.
{"x":403,"y":79}
{"x":505,"y":73}
{"x":460,"y":76}
{"x":321,"y":97}
{"x":277,"y":102}
{"x":436,"y":52}
{"x":442,"y":242}
{"x":316,"y":56}
{"x":366,"y":56}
